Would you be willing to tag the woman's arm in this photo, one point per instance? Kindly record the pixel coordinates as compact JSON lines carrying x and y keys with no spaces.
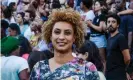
{"x":129,"y":11}
{"x":97,"y":28}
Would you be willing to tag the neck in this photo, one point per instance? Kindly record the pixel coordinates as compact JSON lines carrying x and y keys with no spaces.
{"x":113,"y":34}
{"x":99,"y":12}
{"x":62,"y":58}
{"x":21,"y":23}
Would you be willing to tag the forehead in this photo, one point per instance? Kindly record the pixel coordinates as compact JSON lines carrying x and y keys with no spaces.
{"x":27,"y":13}
{"x":111,"y":19}
{"x":97,"y":2}
{"x":63,"y":26}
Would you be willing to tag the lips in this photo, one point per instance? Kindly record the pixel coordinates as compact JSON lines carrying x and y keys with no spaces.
{"x":61,"y":43}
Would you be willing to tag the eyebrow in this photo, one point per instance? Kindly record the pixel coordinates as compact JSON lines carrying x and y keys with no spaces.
{"x":64,"y":30}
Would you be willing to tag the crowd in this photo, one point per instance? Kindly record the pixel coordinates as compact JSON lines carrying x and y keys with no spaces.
{"x":66,"y":39}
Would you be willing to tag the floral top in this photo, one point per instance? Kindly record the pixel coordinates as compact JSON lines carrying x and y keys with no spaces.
{"x":76,"y":69}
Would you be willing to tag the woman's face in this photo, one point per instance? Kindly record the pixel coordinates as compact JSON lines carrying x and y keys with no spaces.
{"x":12,"y":32}
{"x":62,"y":36}
{"x":33,"y":26}
{"x":97,"y":6}
{"x":42,"y":2}
{"x":25,"y":4}
{"x":27,"y":16}
{"x":85,"y":56}
{"x":19,"y":18}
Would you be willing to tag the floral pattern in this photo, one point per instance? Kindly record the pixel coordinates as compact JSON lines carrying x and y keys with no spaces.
{"x":76,"y":69}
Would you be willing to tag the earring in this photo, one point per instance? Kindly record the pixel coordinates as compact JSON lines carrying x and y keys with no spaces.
{"x":50,"y":45}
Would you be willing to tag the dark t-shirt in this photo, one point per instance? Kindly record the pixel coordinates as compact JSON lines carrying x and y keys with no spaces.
{"x":96,"y":22}
{"x":126,"y":25}
{"x":115,"y":61}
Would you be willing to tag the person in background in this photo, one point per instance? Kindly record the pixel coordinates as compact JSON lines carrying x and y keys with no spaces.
{"x":89,"y":51}
{"x":87,"y":14}
{"x":28,"y":19}
{"x":97,"y":28}
{"x":14,"y":31}
{"x":126,"y":20}
{"x":12,"y":66}
{"x":36,"y":56}
{"x":20,"y":22}
{"x":117,"y":46}
{"x":34,"y":39}
{"x":9,"y":12}
{"x":61,"y":39}
{"x":25,"y":5}
{"x":4,"y":27}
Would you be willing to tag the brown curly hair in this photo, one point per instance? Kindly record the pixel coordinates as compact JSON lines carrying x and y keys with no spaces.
{"x":65,"y":15}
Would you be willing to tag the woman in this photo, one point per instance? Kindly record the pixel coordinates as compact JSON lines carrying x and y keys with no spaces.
{"x":14,"y":31}
{"x":61,"y":31}
{"x":36,"y":42}
{"x":90,"y":52}
{"x":20,"y":22}
{"x":97,"y":28}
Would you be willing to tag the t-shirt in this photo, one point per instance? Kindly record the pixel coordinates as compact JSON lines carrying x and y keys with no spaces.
{"x":96,"y":22}
{"x":41,"y":46}
{"x":11,"y":67}
{"x":115,"y":61}
{"x":28,"y":33}
{"x":126,"y":25}
{"x":88,"y":16}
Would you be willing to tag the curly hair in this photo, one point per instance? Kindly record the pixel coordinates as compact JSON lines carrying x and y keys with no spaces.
{"x":65,"y":15}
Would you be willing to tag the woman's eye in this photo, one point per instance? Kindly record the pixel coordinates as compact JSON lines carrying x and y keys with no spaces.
{"x":108,"y":22}
{"x":67,"y":33}
{"x":57,"y":32}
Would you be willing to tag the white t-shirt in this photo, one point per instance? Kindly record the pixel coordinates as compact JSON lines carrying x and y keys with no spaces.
{"x":11,"y":67}
{"x":88,"y":16}
{"x":28,"y":33}
{"x":41,"y":46}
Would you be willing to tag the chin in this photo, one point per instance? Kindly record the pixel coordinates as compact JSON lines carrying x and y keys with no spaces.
{"x":62,"y":49}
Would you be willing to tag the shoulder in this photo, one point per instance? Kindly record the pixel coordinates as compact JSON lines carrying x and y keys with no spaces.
{"x":101,"y":75}
{"x":41,"y":64}
{"x":91,"y":66}
{"x":89,"y":13}
{"x":21,"y":60}
{"x":120,"y":36}
{"x":91,"y":72}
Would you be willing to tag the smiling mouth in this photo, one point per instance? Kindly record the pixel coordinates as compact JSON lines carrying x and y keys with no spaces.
{"x":61,"y":43}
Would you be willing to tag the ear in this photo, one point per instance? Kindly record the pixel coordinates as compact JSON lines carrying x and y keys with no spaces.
{"x":118,"y":26}
{"x":86,"y":55}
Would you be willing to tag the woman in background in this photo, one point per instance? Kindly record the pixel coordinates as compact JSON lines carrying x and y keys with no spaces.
{"x":90,"y":52}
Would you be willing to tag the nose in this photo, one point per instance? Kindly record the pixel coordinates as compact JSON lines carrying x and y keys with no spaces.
{"x":62,"y":36}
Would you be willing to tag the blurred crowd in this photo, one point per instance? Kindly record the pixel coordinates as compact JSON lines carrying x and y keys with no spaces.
{"x":24,"y":20}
